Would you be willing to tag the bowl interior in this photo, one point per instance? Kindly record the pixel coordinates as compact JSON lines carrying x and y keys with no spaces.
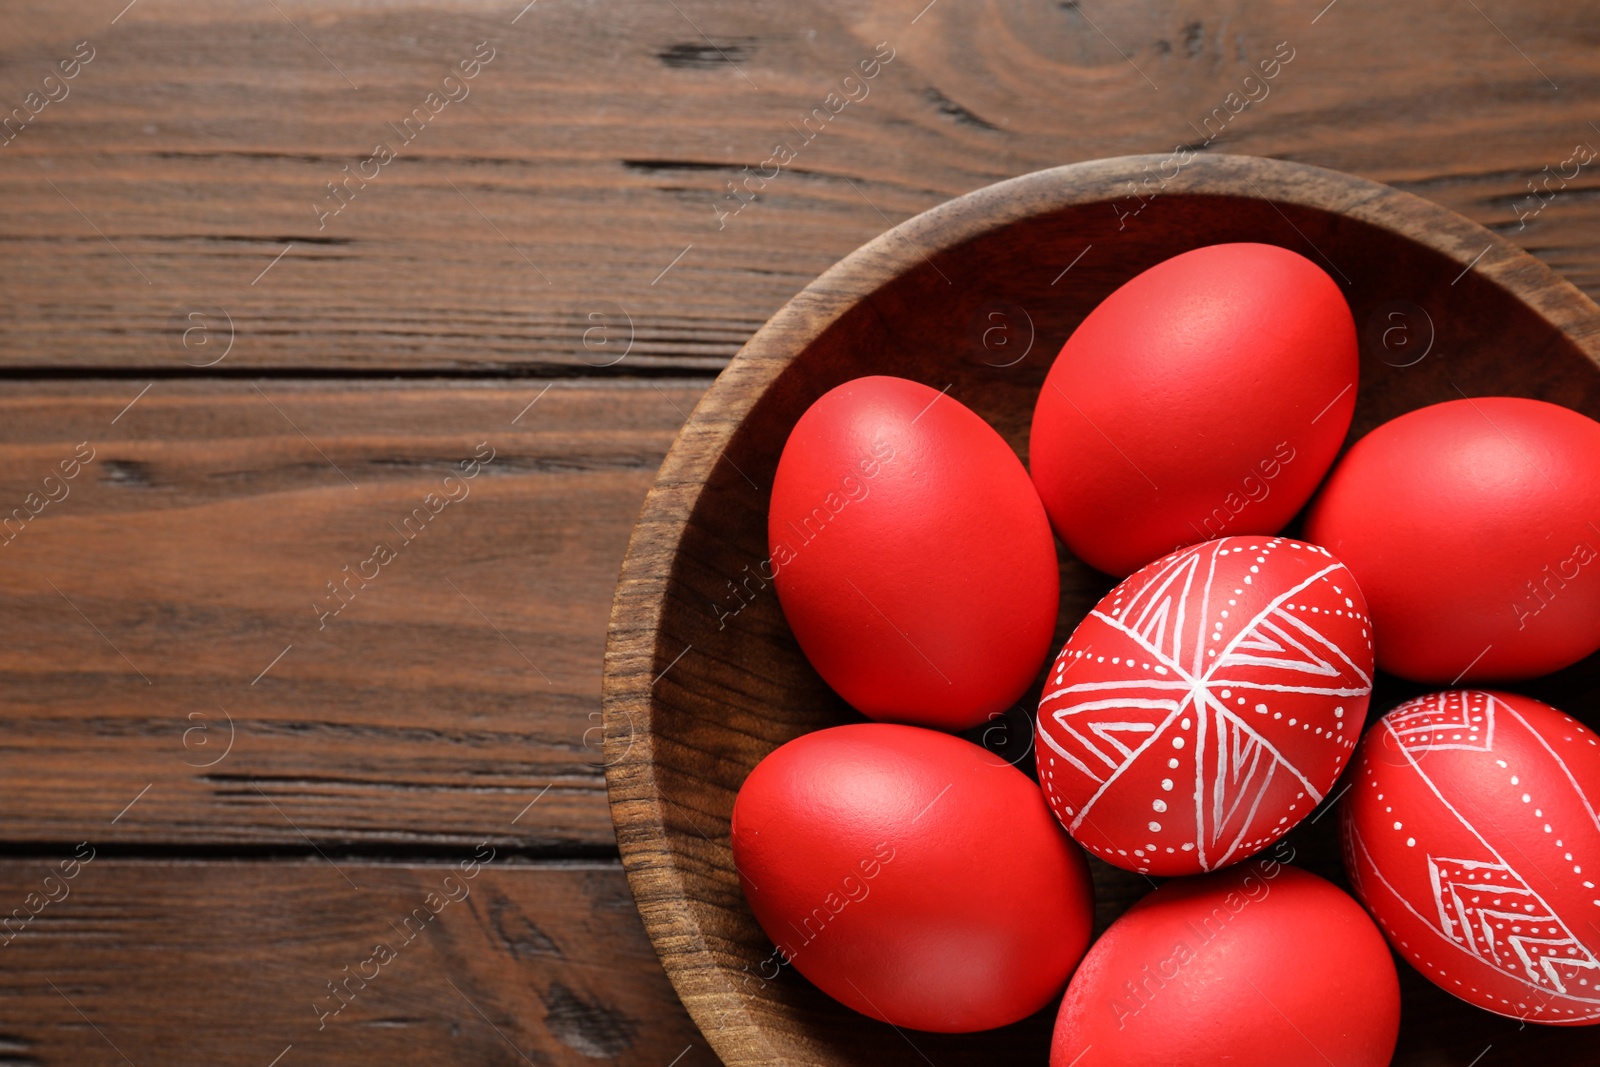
{"x":982,"y":314}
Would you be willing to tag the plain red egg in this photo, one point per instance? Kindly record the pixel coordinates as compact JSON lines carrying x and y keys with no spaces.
{"x":913,"y":559}
{"x":1204,"y":398}
{"x":1470,"y":833}
{"x":1206,"y":705}
{"x":1261,"y":965}
{"x":1471,"y":526}
{"x":912,"y":876}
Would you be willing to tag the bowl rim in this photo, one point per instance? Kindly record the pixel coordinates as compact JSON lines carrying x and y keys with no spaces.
{"x":633,"y":656}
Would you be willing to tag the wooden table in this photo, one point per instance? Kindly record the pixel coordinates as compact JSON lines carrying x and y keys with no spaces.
{"x":305,"y":652}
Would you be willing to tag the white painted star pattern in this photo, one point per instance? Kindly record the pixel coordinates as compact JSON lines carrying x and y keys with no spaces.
{"x":1206,"y":704}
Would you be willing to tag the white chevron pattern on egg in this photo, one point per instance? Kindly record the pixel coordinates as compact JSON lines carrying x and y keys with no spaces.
{"x":1206,"y":704}
{"x":1470,"y":833}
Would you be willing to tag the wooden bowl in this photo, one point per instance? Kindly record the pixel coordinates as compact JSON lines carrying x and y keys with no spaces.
{"x":703,"y":677}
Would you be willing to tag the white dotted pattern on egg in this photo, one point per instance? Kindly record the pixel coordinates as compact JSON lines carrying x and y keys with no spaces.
{"x":1468,"y":838}
{"x":1207,"y":704}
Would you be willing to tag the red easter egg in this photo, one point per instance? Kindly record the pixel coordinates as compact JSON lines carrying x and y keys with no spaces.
{"x":911,"y":876}
{"x":1470,"y":833}
{"x":1471,"y":526}
{"x":1205,"y":397}
{"x":1206,"y":704}
{"x":913,"y":559}
{"x":1261,"y":965}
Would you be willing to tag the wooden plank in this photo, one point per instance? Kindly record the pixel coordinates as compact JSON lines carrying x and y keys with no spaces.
{"x":228,"y":964}
{"x":198,"y":144}
{"x":156,"y":598}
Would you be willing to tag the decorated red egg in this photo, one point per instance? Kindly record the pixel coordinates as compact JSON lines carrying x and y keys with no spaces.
{"x":1470,"y":833}
{"x":911,"y":555}
{"x":1204,"y":398}
{"x":1206,"y":704}
{"x":1471,"y":526}
{"x":912,"y":876}
{"x":1261,"y":965}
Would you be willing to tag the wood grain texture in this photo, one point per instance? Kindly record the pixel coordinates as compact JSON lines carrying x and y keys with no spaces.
{"x":712,"y":692}
{"x":189,"y":154}
{"x":145,"y":607}
{"x":593,"y":148}
{"x":229,"y":965}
